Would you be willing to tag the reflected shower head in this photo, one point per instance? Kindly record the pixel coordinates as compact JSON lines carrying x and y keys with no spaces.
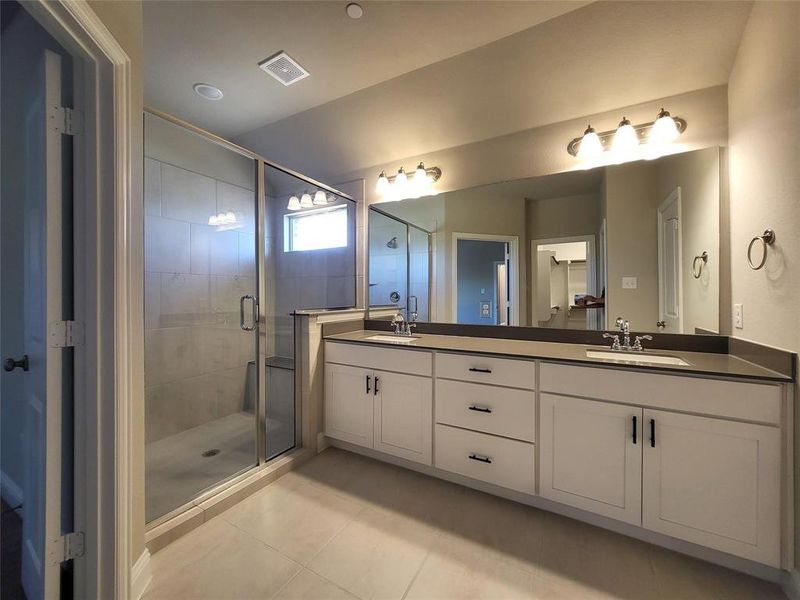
{"x":392,"y":243}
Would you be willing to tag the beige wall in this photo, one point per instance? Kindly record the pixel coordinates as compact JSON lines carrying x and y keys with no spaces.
{"x":764,"y":98}
{"x":124,"y":20}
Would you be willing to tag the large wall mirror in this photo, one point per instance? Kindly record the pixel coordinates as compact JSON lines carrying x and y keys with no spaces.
{"x":566,"y":251}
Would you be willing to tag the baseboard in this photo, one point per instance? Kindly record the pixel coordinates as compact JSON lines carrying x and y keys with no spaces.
{"x":322,"y":442}
{"x":10,"y":491}
{"x":791,"y":584}
{"x":140,"y":575}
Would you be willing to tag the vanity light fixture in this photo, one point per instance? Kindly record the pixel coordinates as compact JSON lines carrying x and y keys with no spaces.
{"x":628,"y":141}
{"x":294,"y":203}
{"x":306,"y":201}
{"x":320,"y":199}
{"x":400,"y":186}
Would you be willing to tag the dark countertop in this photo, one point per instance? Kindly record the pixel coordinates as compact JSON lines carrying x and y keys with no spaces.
{"x":700,"y":363}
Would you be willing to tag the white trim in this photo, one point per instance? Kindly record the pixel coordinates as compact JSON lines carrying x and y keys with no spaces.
{"x":141,"y":575}
{"x":513,"y":251}
{"x":10,"y":491}
{"x":103,"y":284}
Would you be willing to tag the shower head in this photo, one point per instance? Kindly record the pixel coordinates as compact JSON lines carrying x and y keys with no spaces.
{"x":392,"y":243}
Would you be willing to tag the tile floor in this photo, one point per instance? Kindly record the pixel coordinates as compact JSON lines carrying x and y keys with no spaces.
{"x":348,"y":527}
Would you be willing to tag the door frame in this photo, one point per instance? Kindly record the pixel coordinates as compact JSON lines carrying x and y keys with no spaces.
{"x":513,"y":252}
{"x":591,"y":265}
{"x":673,"y":196}
{"x":108,"y":294}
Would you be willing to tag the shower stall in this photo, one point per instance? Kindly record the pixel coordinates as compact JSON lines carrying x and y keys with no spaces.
{"x":227,"y":265}
{"x":400,"y":255}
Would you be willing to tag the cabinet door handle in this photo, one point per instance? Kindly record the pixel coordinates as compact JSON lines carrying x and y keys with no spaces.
{"x":478,"y":370}
{"x":483,"y":409}
{"x":634,"y":429}
{"x":377,"y":379}
{"x":479,"y":458}
{"x":368,"y":388}
{"x":652,"y":433}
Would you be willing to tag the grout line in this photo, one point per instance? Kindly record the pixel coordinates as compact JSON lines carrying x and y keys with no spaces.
{"x":419,"y":570}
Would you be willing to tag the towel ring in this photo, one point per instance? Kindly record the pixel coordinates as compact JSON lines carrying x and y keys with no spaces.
{"x":766,"y":239}
{"x":697,"y":264}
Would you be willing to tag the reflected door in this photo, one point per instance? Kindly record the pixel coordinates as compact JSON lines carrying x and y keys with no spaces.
{"x":669,"y":263}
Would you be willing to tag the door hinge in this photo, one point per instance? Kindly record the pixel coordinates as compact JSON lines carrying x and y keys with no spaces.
{"x":65,"y":334}
{"x":66,"y":120}
{"x":66,"y":547}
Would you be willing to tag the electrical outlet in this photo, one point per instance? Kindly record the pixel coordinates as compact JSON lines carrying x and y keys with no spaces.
{"x":630,"y":283}
{"x":738,"y":316}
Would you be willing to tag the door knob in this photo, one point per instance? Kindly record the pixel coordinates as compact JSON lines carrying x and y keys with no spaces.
{"x":661,"y":324}
{"x":10,"y":364}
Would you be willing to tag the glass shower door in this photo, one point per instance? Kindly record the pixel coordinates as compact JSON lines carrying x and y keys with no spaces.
{"x":200,"y":316}
{"x":388,"y":261}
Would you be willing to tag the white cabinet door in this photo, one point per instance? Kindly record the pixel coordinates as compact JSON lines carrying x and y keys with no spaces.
{"x":713,"y":482}
{"x":349,"y":404}
{"x":590,"y":456}
{"x":404,"y":416}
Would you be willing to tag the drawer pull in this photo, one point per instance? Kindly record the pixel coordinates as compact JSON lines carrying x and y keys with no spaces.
{"x":479,"y":370}
{"x":479,"y":458}
{"x":482,"y":409}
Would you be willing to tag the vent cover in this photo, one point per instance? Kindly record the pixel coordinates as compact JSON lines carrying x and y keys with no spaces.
{"x":284,"y":68}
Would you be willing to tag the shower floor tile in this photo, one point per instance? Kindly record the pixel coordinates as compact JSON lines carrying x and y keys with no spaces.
{"x":176,"y":470}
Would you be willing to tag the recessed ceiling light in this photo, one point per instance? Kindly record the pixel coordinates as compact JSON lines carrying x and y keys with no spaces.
{"x":354,"y":11}
{"x":207,"y":91}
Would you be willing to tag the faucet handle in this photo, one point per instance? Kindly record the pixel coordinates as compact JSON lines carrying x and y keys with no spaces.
{"x":637,"y":342}
{"x":615,"y":343}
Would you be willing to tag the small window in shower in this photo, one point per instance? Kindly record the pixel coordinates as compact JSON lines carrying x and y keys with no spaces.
{"x":316,"y":230}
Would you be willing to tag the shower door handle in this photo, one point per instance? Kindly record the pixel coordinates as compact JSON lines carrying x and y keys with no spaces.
{"x":254,"y":312}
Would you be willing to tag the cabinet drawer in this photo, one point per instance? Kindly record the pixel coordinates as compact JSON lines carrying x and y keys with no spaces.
{"x":486,"y":369}
{"x":732,"y":399}
{"x":496,"y":460}
{"x":506,"y":412}
{"x":370,"y":356}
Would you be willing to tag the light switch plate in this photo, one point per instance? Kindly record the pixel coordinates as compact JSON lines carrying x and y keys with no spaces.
{"x":630,"y":283}
{"x":738,"y":316}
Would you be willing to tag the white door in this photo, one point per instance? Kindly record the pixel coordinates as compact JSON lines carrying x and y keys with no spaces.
{"x":349,"y":404}
{"x":590,"y":456}
{"x":713,"y":482}
{"x":44,"y":392}
{"x":404,"y":416}
{"x":670,"y":287}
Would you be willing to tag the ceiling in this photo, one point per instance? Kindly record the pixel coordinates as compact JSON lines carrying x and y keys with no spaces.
{"x":221,"y":43}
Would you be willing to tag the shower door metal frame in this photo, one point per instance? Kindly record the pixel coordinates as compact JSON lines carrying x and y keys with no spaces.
{"x":408,"y":226}
{"x":260,"y":422}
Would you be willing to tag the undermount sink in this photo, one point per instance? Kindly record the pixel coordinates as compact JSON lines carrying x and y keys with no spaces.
{"x":637,"y":357}
{"x":399,"y":339}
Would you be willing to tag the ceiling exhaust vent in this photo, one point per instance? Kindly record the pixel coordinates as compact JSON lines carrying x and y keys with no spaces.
{"x":283,"y":68}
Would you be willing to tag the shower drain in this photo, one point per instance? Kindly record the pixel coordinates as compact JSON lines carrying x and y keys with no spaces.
{"x":209,"y":453}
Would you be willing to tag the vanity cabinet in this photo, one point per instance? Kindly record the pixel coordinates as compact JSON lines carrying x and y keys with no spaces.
{"x":590,"y":456}
{"x":713,"y":482}
{"x":380,"y":408}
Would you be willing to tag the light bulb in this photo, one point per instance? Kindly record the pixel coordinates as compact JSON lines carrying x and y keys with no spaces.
{"x":320,"y":198}
{"x":590,"y":147}
{"x":305,"y":200}
{"x":294,"y":203}
{"x":665,"y":130}
{"x":421,"y":180}
{"x":625,"y":141}
{"x":383,"y":184}
{"x":401,"y":183}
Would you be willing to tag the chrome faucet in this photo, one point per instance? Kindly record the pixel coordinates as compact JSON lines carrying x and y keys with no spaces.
{"x":401,"y":326}
{"x":626,"y":346}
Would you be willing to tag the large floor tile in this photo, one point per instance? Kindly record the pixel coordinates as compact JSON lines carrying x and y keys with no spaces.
{"x":307,"y":585}
{"x":459,"y":569}
{"x":376,"y":555}
{"x":298,"y":522}
{"x":217,"y":561}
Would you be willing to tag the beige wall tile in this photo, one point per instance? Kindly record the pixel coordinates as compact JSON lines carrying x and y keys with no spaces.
{"x":186,"y":195}
{"x":166,"y":245}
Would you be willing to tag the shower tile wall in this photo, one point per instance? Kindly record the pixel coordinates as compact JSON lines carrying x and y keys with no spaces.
{"x":196,"y":357}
